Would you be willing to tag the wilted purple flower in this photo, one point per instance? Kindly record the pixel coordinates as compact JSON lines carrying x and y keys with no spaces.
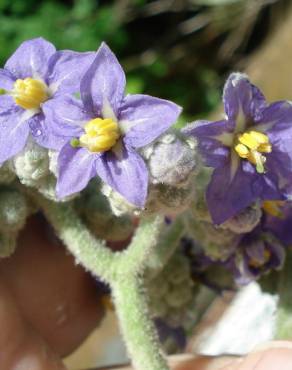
{"x":34,"y":74}
{"x":256,"y":254}
{"x":250,"y":149}
{"x":278,"y":220}
{"x":104,"y":129}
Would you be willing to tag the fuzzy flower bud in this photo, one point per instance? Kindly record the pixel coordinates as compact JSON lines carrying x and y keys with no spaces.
{"x":13,"y":210}
{"x":170,"y":200}
{"x":217,"y":243}
{"x":95,"y":208}
{"x":171,"y":160}
{"x":245,"y":221}
{"x":118,"y":204}
{"x":32,"y":164}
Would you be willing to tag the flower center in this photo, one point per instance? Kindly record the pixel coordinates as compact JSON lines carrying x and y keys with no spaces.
{"x":29,"y":93}
{"x":100,"y":135}
{"x":251,"y":145}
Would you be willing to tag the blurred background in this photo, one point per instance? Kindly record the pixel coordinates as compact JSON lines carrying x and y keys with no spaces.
{"x":176,"y":49}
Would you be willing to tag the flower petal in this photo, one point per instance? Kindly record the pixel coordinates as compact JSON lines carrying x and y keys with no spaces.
{"x":242,"y":100}
{"x":6,"y":80}
{"x":14,"y":132}
{"x":75,"y":169}
{"x":6,"y":83}
{"x":281,"y":227}
{"x":31,"y":59}
{"x":64,"y":119}
{"x":143,"y":118}
{"x":66,"y":69}
{"x":125,"y":172}
{"x":104,"y":83}
{"x":214,"y":140}
{"x":227,"y":194}
{"x":275,"y":118}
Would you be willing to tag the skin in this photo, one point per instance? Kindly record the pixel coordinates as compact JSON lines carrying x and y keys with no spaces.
{"x":48,"y":306}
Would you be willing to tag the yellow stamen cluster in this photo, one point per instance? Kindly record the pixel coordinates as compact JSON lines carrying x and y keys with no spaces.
{"x":29,"y":93}
{"x":251,"y":145}
{"x":256,"y":264}
{"x":274,"y":207}
{"x":100,"y":135}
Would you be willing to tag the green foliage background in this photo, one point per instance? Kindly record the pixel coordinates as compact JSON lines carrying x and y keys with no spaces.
{"x":174,"y":49}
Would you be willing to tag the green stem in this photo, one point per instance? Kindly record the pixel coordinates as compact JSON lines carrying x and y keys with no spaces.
{"x":137,"y":328}
{"x":168,"y":243}
{"x":144,"y":244}
{"x":89,"y":251}
{"x":121,"y":270}
{"x":284,"y":312}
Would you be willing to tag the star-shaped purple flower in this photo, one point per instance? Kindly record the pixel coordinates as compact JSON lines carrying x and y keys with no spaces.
{"x":104,"y":129}
{"x":35,"y":74}
{"x":250,"y":150}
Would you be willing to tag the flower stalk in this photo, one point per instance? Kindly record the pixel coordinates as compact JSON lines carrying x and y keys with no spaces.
{"x":122,"y":271}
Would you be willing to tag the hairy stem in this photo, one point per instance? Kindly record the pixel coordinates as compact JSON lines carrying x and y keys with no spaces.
{"x":122,"y":271}
{"x":168,"y":243}
{"x":137,"y":328}
{"x":89,"y":251}
{"x":144,"y":244}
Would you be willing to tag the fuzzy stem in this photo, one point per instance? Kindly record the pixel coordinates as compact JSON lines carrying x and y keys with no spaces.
{"x":168,"y":243}
{"x":137,"y":327}
{"x":122,"y":271}
{"x":89,"y":251}
{"x":144,"y":244}
{"x":284,"y":313}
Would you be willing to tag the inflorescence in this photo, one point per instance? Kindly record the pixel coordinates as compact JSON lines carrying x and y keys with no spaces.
{"x":70,"y":133}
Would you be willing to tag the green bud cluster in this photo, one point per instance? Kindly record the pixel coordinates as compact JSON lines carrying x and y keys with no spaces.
{"x":172,"y":293}
{"x":97,"y":213}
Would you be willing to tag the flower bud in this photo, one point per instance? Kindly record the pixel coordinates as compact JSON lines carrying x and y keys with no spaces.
{"x":32,"y":164}
{"x":171,"y":160}
{"x":245,"y":221}
{"x":14,"y":210}
{"x":170,"y":200}
{"x":95,"y":208}
{"x":118,"y":204}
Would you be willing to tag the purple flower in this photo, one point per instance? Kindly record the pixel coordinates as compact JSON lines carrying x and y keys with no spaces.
{"x":35,"y":74}
{"x":278,"y":221}
{"x":250,"y":150}
{"x":104,"y":129}
{"x":257,"y":253}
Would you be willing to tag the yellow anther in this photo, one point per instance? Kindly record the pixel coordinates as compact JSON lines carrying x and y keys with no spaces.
{"x":251,"y":145}
{"x":100,"y":135}
{"x":242,"y":150}
{"x":259,"y":137}
{"x":29,"y":93}
{"x":248,"y":140}
{"x":273,"y":207}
